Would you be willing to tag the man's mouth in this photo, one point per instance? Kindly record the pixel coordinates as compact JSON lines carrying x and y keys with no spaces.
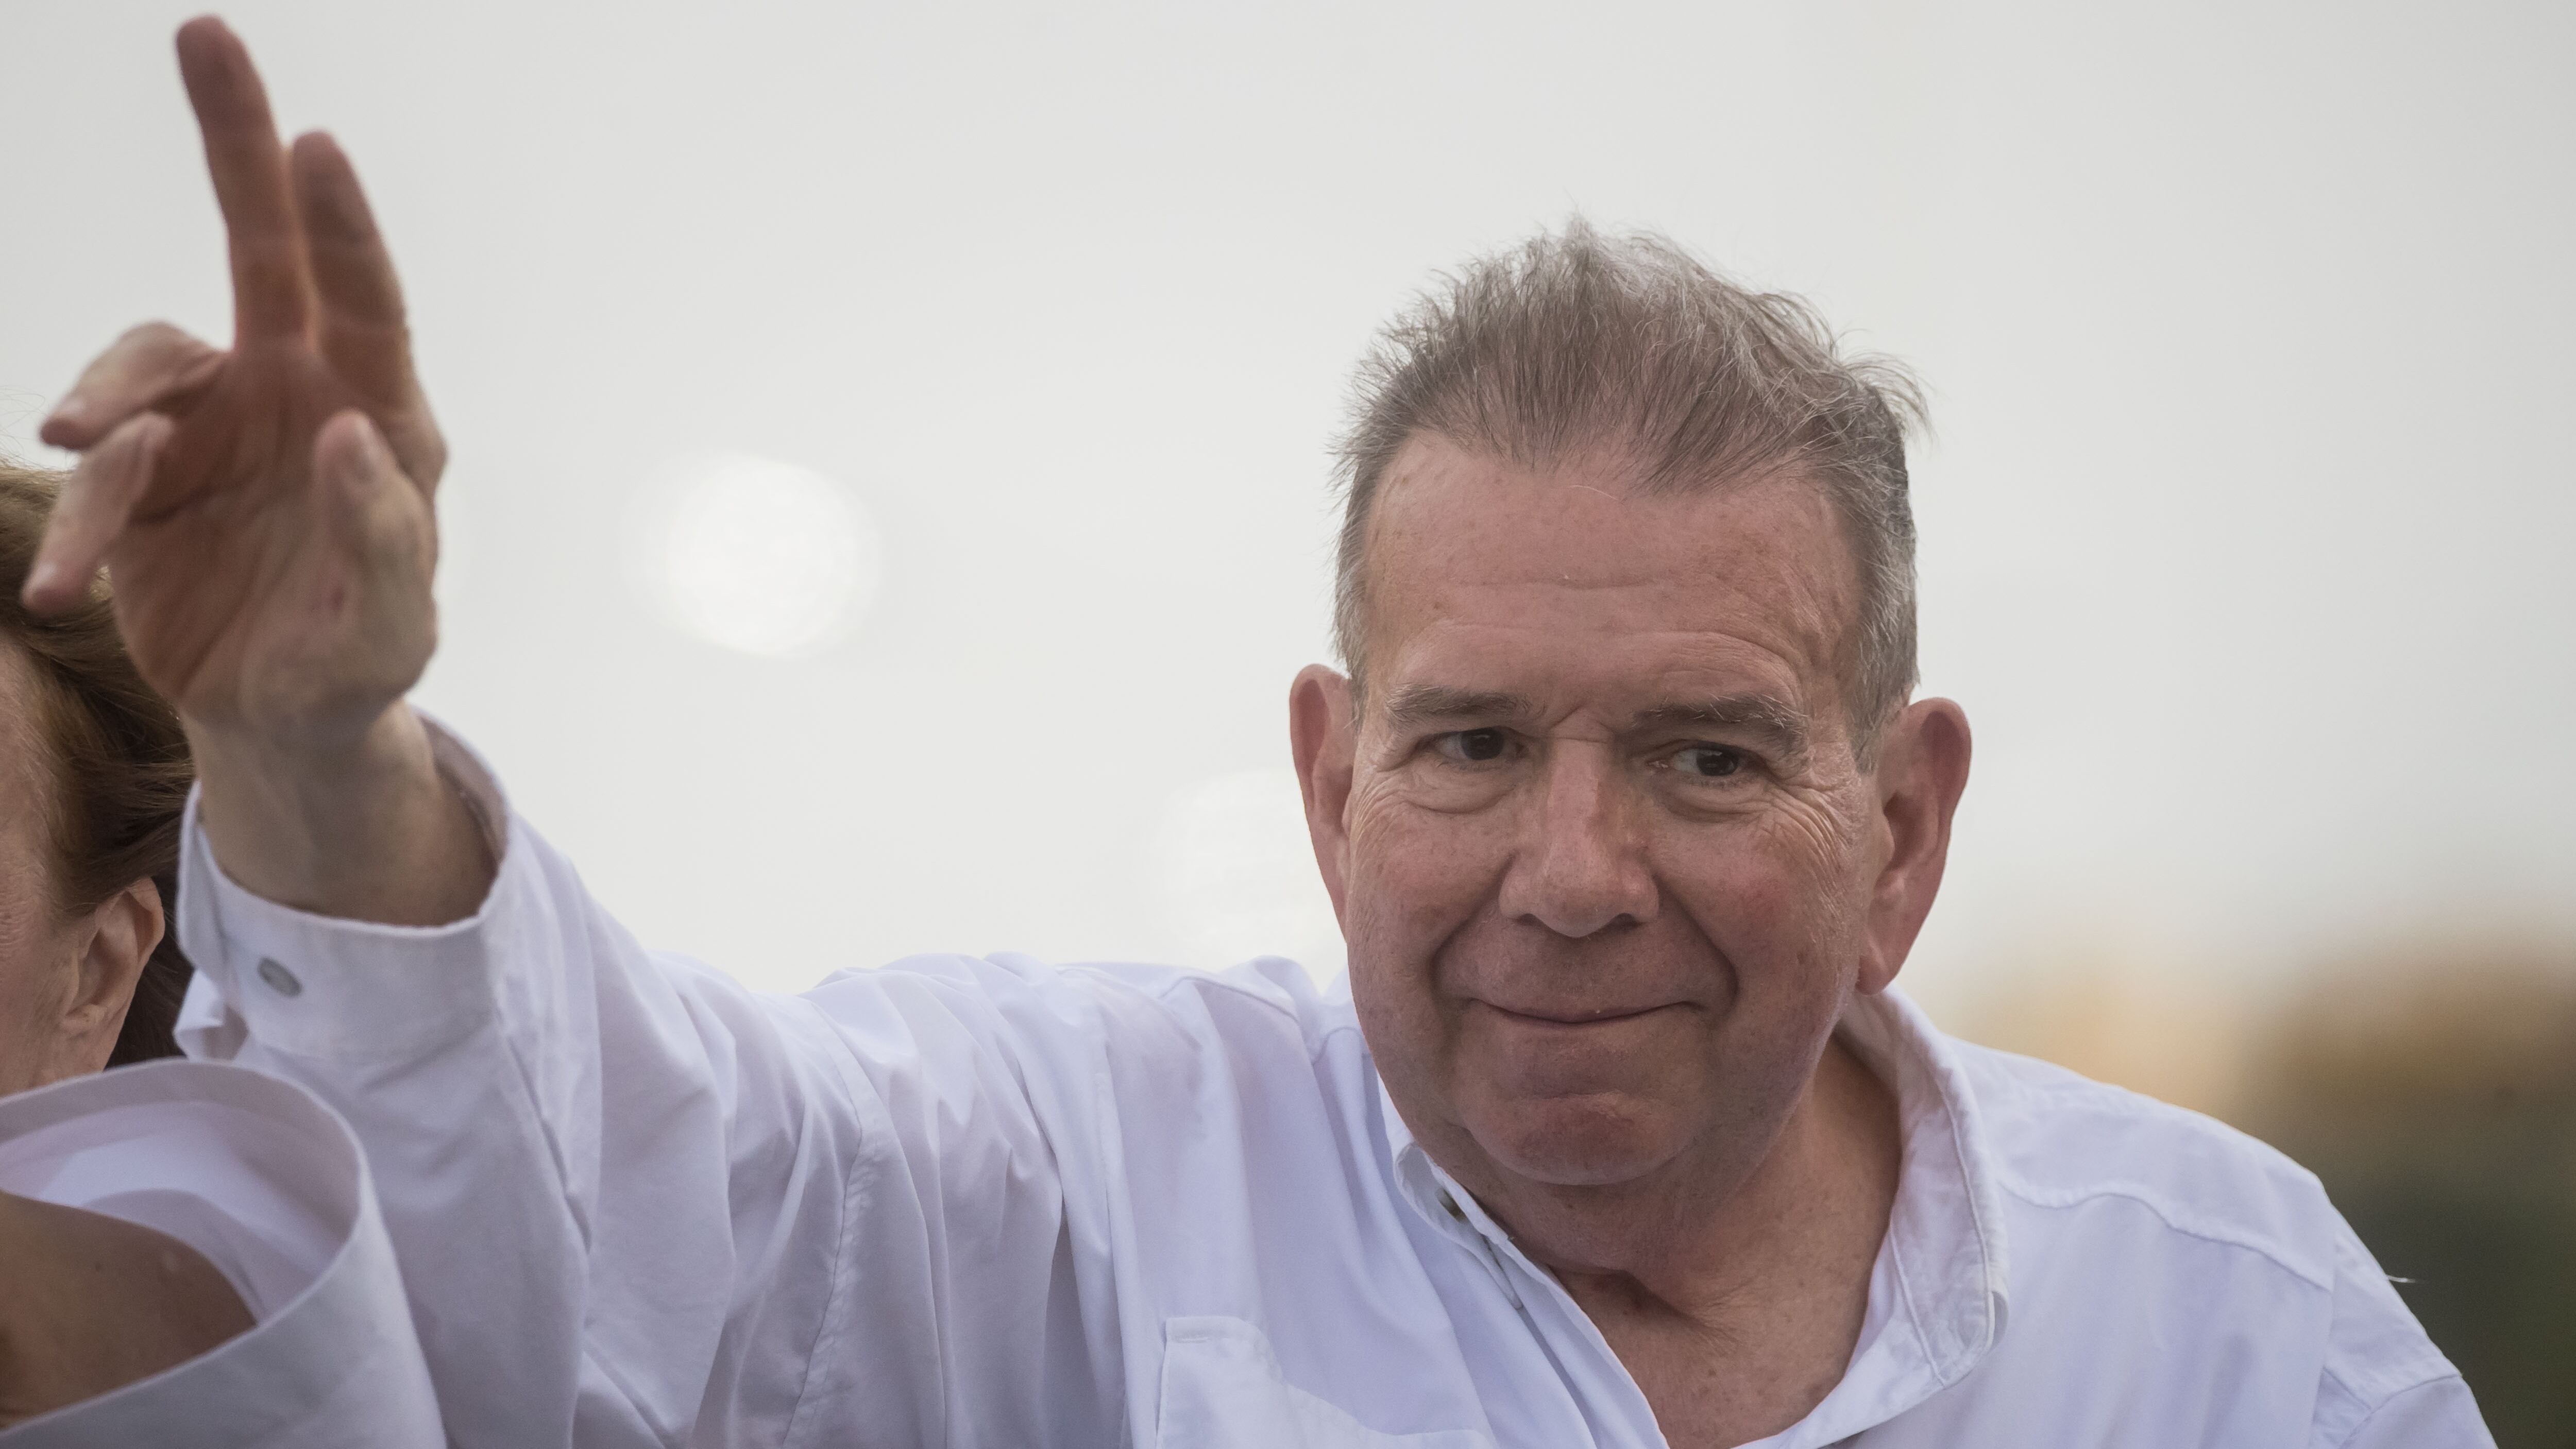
{"x":1560,"y":1016}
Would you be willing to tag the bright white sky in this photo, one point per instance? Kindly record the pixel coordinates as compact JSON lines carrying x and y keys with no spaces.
{"x":2246,"y":532}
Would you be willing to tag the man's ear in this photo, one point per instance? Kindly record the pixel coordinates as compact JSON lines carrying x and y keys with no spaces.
{"x":1320,"y":736}
{"x":1922,"y":771}
{"x":119,"y":937}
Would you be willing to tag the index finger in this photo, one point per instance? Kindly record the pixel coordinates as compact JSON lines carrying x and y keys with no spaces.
{"x":271,"y":287}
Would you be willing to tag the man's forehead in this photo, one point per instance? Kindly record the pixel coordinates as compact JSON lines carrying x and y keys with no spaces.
{"x":1467,"y":552}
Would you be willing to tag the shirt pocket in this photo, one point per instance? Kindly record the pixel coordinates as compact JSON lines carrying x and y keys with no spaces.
{"x":1222,"y":1389}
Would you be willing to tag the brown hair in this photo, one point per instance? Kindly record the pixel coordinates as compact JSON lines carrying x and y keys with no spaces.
{"x":120,"y":758}
{"x":1576,"y":341}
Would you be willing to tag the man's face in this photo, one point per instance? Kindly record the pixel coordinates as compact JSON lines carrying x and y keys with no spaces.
{"x":1606,"y":857}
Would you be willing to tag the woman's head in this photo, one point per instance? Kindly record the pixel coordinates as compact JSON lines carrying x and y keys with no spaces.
{"x":93,"y":776}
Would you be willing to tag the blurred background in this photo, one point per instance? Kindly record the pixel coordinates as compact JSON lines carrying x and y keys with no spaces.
{"x":890,"y":460}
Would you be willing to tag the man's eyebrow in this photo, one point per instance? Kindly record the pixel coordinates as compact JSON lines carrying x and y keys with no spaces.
{"x":1775,"y":721}
{"x":1421,"y":704}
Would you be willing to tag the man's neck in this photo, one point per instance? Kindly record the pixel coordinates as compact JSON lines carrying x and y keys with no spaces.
{"x":1737,"y":1311}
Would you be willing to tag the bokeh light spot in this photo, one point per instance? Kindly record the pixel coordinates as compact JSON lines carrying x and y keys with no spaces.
{"x":757,"y":555}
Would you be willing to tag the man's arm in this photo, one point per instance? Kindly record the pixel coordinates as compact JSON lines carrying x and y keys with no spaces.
{"x":266,"y":515}
{"x":617,"y":1189}
{"x":627,"y":1195}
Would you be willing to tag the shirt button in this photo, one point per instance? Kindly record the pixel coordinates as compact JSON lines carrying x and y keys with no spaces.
{"x":279,"y":979}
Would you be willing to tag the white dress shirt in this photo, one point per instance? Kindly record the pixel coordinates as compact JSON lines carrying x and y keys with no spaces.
{"x":961,"y":1202}
{"x":265,"y":1182}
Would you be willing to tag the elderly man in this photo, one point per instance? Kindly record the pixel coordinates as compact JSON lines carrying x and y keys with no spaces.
{"x":1619,"y":1136}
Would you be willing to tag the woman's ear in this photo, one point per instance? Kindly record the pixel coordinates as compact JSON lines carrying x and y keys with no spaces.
{"x":115,"y":942}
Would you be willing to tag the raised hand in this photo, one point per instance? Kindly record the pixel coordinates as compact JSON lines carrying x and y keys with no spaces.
{"x":265,"y":516}
{"x":264,"y":512}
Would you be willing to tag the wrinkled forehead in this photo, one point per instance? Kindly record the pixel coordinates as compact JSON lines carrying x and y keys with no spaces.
{"x":1570,"y":571}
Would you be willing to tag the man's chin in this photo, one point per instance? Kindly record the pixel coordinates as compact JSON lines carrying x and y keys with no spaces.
{"x":1593,"y":1140}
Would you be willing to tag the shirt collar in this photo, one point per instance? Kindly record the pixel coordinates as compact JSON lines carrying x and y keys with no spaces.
{"x":1945,"y":1233}
{"x":1945,"y":1239}
{"x":1427,"y":1186}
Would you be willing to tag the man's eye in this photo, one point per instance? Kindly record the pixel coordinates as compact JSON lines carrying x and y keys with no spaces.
{"x":1708,"y":762}
{"x":1474,"y":747}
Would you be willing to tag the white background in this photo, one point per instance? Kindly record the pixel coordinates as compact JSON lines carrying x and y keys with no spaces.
{"x":2246,"y":532}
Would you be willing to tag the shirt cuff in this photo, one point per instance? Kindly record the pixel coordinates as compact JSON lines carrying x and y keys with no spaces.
{"x":269,"y":1185}
{"x":321,"y":986}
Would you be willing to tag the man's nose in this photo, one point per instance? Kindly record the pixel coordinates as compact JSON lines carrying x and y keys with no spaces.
{"x":1581,"y":864}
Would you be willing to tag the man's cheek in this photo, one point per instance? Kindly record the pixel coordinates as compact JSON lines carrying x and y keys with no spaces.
{"x":1793,"y":872}
{"x":1761,"y":914}
{"x":1813,"y":835}
{"x":1412,"y":851}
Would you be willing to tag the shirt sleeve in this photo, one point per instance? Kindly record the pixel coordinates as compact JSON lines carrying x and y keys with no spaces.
{"x":636,"y":1204}
{"x":2386,"y":1386}
{"x":269,"y":1186}
{"x":2440,"y":1414}
{"x":617,"y":1184}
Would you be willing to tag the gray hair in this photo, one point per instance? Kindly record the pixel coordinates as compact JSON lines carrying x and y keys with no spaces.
{"x":1575,"y":342}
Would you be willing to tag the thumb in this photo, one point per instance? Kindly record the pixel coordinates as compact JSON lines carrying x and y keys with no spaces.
{"x":91,"y":513}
